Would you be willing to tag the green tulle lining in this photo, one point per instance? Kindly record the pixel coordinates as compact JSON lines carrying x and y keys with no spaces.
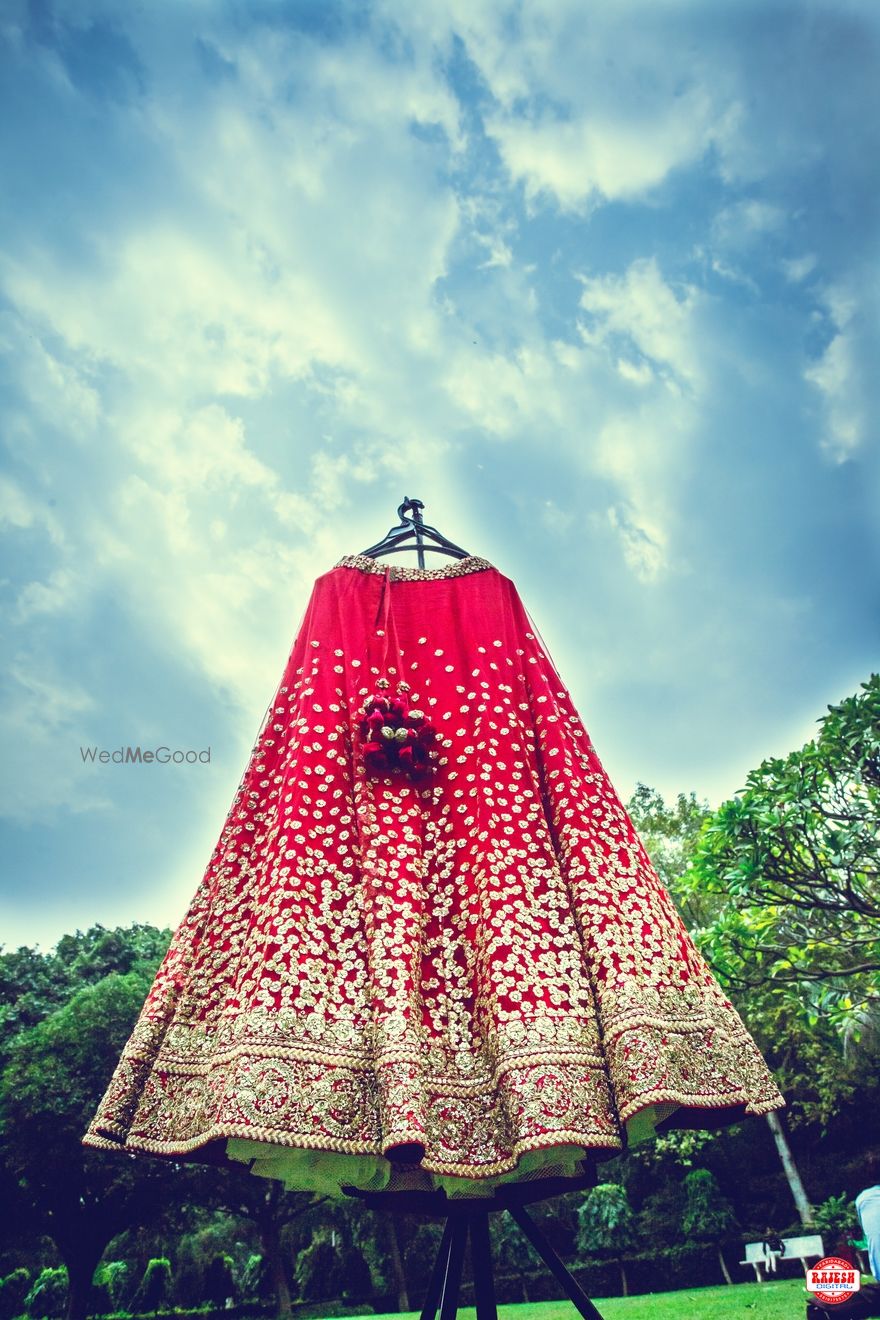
{"x":327,"y":1172}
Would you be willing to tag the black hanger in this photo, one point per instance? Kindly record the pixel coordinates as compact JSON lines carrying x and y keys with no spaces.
{"x":410,"y":528}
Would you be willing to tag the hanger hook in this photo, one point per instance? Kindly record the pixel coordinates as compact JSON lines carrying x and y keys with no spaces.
{"x":408,"y":504}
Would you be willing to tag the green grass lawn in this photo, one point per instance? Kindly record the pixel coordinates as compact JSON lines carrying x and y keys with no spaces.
{"x":785,"y":1300}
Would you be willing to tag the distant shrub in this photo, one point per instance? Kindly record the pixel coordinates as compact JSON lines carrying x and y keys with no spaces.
{"x":254,"y":1282}
{"x":220,"y":1280}
{"x":13,"y":1291}
{"x":317,"y":1272}
{"x":834,"y":1216}
{"x":112,"y":1282}
{"x":48,"y":1295}
{"x":355,"y":1281}
{"x":154,"y":1292}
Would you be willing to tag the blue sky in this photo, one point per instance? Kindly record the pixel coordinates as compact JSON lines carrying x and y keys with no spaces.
{"x":598,"y":283}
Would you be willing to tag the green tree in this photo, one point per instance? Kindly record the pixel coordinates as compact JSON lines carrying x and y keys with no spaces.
{"x":797,"y":856}
{"x":708,"y":1215}
{"x":53,"y":1078}
{"x":512,"y":1252}
{"x":391,"y":1238}
{"x":357,"y":1282}
{"x":659,"y":1219}
{"x":383,"y":1240}
{"x":220,"y":1280}
{"x":835,"y":1216}
{"x":673,"y":837}
{"x":254,"y":1284}
{"x":274,"y":1213}
{"x":14,"y":1288}
{"x":155,"y":1287}
{"x":670,"y":835}
{"x":46,"y":1299}
{"x":318,"y":1272}
{"x":203,"y":1237}
{"x":33,"y":984}
{"x":113,"y":1278}
{"x":605,"y":1225}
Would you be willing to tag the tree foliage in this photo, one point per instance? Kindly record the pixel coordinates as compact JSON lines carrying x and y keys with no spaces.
{"x":33,"y":983}
{"x":670,"y":834}
{"x":220,"y":1279}
{"x":708,"y":1215}
{"x":14,"y":1288}
{"x":796,"y":855}
{"x":835,"y":1216}
{"x":52,"y":1079}
{"x":111,"y":1287}
{"x":48,"y":1296}
{"x":155,"y":1287}
{"x":254,"y":1282}
{"x":605,"y":1221}
{"x":318,"y":1272}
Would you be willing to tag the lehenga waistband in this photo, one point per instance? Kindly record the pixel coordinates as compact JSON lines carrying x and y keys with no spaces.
{"x":400,"y":573}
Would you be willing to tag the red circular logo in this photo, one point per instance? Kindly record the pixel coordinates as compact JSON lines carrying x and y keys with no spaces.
{"x":833,"y":1280}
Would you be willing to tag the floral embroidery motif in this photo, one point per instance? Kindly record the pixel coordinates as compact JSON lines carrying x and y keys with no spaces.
{"x":483,"y":963}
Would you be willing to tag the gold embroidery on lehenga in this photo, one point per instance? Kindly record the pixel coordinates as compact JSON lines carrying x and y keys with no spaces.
{"x":403,"y":573}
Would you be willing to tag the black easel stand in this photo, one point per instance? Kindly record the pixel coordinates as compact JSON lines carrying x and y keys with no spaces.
{"x":470,"y":1218}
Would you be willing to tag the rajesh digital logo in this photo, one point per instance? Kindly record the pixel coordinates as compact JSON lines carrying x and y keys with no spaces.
{"x":833,"y":1281}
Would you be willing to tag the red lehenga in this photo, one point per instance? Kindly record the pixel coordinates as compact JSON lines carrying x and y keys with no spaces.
{"x":464,"y":960}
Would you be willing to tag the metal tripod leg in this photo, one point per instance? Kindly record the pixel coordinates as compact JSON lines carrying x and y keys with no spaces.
{"x":481,"y":1265}
{"x":449,"y":1296}
{"x":556,"y":1267}
{"x":438,"y":1274}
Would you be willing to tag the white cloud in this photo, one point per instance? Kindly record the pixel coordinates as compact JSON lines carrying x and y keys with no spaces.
{"x":59,"y":594}
{"x":555,"y":519}
{"x":736,"y":276}
{"x":638,"y":373}
{"x":199,"y":450}
{"x":20,"y":509}
{"x":643,"y":542}
{"x":837,"y":376}
{"x":601,"y":155}
{"x":57,"y":388}
{"x":291,"y":253}
{"x":307,"y":230}
{"x":42,"y":723}
{"x":742,"y":222}
{"x":644,"y":453}
{"x":797,"y":269}
{"x":652,"y":319}
{"x":622,"y":404}
{"x":503,"y":395}
{"x":586,"y":107}
{"x":16,"y":508}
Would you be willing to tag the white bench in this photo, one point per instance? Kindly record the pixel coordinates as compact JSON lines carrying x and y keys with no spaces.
{"x":796,"y":1248}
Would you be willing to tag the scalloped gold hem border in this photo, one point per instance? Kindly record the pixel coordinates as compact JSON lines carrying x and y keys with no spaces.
{"x":712,"y":1103}
{"x":592,"y":1140}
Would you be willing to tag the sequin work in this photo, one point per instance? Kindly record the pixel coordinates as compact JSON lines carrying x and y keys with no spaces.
{"x":485,"y":966}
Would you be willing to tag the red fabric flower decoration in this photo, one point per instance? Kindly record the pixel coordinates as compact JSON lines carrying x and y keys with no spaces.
{"x":395,"y":738}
